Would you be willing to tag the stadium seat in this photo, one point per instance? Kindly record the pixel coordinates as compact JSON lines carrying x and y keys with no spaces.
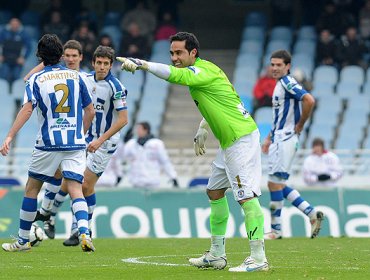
{"x":114,"y":32}
{"x":348,"y":89}
{"x":366,"y":88}
{"x":246,"y":73}
{"x":323,"y":90}
{"x":263,"y":115}
{"x":32,"y":31}
{"x":322,"y":130}
{"x":303,"y":60}
{"x":253,"y":33}
{"x":325,"y":73}
{"x":283,"y":33}
{"x":307,"y":47}
{"x":250,"y":59}
{"x":353,"y":74}
{"x":244,"y":88}
{"x":161,"y":47}
{"x":18,"y":88}
{"x":307,"y":32}
{"x":198,"y":182}
{"x":256,"y":19}
{"x":112,"y":18}
{"x":277,"y":44}
{"x":264,"y":128}
{"x":253,"y":47}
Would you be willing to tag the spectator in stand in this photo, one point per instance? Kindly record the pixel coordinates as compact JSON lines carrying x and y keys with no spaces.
{"x":88,"y":42}
{"x":352,"y":49}
{"x":263,"y":89}
{"x":134,"y":44}
{"x":67,"y":14}
{"x":166,"y":27}
{"x":334,"y":20}
{"x":326,"y":49}
{"x":106,"y":40}
{"x":143,"y":17}
{"x":302,"y":79}
{"x":146,"y":157}
{"x":57,"y":26}
{"x":321,"y":167}
{"x":85,"y":16}
{"x":15,"y":46}
{"x":364,"y":21}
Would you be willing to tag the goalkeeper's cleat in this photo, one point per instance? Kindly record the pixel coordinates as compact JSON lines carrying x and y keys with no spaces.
{"x":72,"y":240}
{"x":16,"y":246}
{"x":250,"y":265}
{"x":40,"y":217}
{"x":273,"y":235}
{"x":316,"y":224}
{"x":49,"y":229}
{"x":86,"y":243}
{"x":209,"y":261}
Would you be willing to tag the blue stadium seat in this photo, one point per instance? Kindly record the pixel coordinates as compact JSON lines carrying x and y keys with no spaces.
{"x":360,"y":103}
{"x":253,"y":47}
{"x":114,"y":32}
{"x":348,"y":89}
{"x":256,"y":19}
{"x":263,"y":115}
{"x":161,"y":47}
{"x":277,"y":44}
{"x":307,"y":32}
{"x":325,"y":73}
{"x":322,"y":90}
{"x":366,"y":88}
{"x":244,"y":88}
{"x":284,"y":33}
{"x":307,"y":47}
{"x":249,"y":59}
{"x":347,"y":140}
{"x":253,"y":33}
{"x":264,"y":128}
{"x":353,"y":74}
{"x":18,"y":88}
{"x":32,"y":31}
{"x":246,"y":73}
{"x":322,"y":130}
{"x":303,"y":60}
{"x":112,"y":18}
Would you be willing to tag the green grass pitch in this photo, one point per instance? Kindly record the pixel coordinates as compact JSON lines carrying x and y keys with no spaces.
{"x":295,"y":258}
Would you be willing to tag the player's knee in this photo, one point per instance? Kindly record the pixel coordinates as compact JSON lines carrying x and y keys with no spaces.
{"x":216,"y":194}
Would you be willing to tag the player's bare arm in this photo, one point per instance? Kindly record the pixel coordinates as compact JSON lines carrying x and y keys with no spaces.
{"x":22,"y":117}
{"x":88,"y":116}
{"x":308,"y":102}
{"x":122,"y":120}
{"x":34,"y":70}
{"x":266,"y":144}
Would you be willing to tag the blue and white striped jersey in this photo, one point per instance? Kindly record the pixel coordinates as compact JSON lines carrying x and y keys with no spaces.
{"x":286,"y":107}
{"x":109,"y":97}
{"x":59,"y":96}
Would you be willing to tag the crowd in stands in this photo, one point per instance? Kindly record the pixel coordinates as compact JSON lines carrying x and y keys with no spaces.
{"x":131,"y":33}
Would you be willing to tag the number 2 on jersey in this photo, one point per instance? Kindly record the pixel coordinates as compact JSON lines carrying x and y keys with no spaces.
{"x":60,"y":108}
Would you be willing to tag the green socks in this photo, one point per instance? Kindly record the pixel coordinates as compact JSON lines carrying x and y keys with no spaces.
{"x":254,"y":220}
{"x":218,"y":222}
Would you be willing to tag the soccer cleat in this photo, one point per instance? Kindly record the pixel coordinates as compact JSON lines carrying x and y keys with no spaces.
{"x":49,"y":229}
{"x":250,"y":265}
{"x":208,"y":260}
{"x":72,"y":240}
{"x":86,"y":243}
{"x":16,"y":246}
{"x":40,"y":217}
{"x":273,"y":235}
{"x":316,"y":224}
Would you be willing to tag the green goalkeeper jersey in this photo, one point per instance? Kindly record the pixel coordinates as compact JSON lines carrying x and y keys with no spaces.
{"x":216,"y":100}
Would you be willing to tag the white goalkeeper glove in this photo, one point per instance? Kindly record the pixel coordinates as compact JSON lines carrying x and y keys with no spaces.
{"x":132,"y":64}
{"x":200,"y":138}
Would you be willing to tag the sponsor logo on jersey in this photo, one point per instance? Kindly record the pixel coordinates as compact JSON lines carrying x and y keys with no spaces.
{"x":62,"y":123}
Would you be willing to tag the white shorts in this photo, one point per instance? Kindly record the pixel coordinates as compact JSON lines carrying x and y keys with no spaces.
{"x":239,"y":166}
{"x":44,"y":164}
{"x":98,"y":161}
{"x":280,"y":158}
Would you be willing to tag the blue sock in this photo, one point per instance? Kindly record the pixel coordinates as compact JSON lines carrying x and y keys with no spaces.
{"x":80,"y":210}
{"x":295,"y":198}
{"x":276,"y":204}
{"x":27,"y":214}
{"x":91,"y":203}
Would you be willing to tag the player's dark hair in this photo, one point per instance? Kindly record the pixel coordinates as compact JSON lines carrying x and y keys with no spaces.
{"x":282,"y":54}
{"x":104,"y":51}
{"x":73,"y":44}
{"x":49,"y":49}
{"x":318,"y":142}
{"x":145,"y":125}
{"x":191,"y":42}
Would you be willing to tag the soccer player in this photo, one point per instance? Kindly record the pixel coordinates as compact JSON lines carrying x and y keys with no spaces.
{"x":282,"y":143}
{"x":59,"y":96}
{"x":238,"y":162}
{"x":109,"y":99}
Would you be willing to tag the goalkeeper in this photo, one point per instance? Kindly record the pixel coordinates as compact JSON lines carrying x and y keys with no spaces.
{"x":238,"y":162}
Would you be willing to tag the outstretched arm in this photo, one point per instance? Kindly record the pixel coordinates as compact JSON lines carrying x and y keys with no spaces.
{"x":158,"y":69}
{"x":34,"y":70}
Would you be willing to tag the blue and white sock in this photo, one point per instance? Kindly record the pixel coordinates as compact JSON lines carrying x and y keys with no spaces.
{"x":276,"y":204}
{"x":27,"y":214}
{"x":79,"y":206}
{"x":74,"y":227}
{"x":91,"y":204}
{"x":295,"y":198}
{"x":49,"y":196}
{"x":58,"y":202}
